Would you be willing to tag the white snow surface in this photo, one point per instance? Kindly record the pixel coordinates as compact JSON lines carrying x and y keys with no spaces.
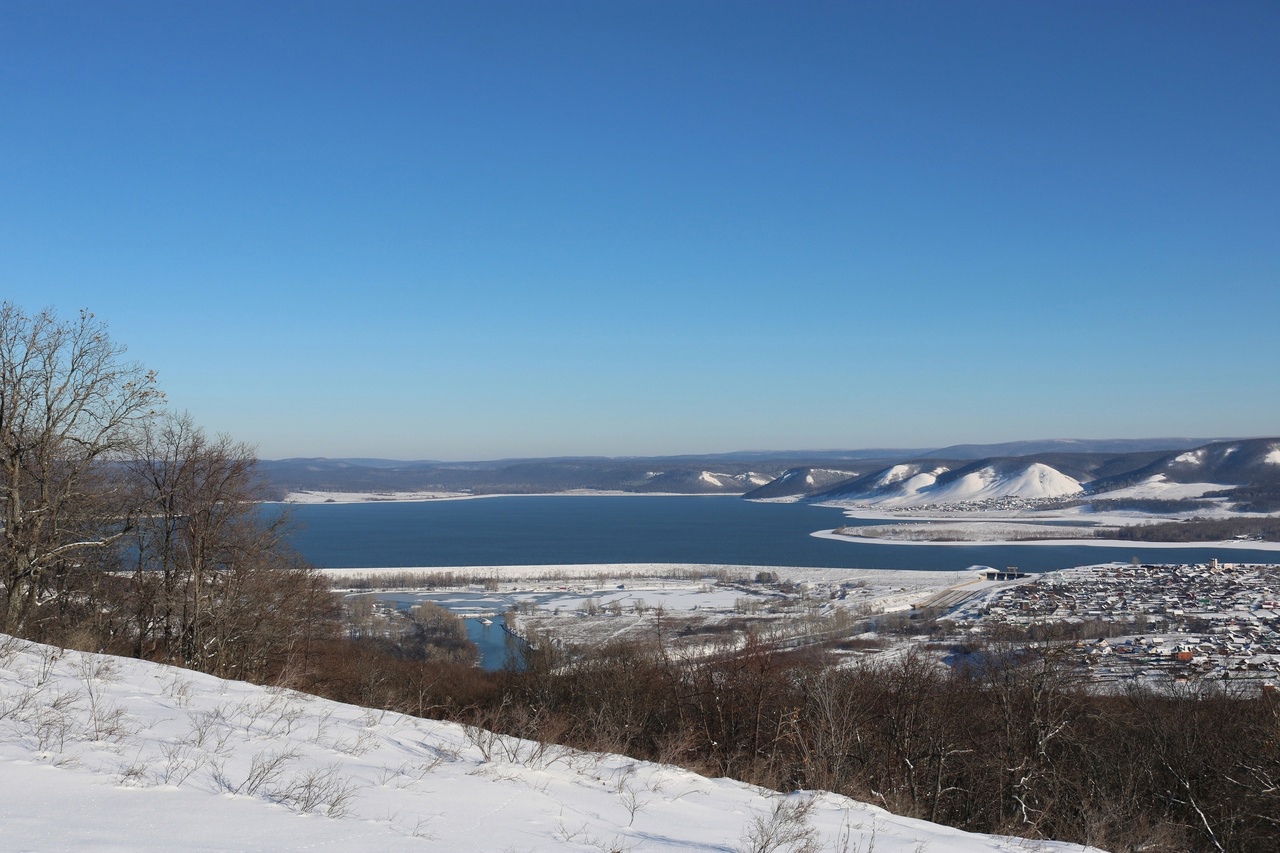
{"x":110,"y":754}
{"x":920,"y":482}
{"x":810,"y":480}
{"x":1034,"y":481}
{"x":895,"y":474}
{"x":1159,"y":486}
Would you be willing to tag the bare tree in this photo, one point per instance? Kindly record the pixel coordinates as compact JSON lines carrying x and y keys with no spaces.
{"x":70,"y":406}
{"x":215,"y":585}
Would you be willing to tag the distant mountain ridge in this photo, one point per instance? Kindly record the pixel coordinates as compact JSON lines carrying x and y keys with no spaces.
{"x":1067,"y":445}
{"x":879,"y":477}
{"x":534,"y":476}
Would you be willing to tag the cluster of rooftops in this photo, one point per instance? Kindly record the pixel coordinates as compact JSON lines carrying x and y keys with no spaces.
{"x":1214,"y":619}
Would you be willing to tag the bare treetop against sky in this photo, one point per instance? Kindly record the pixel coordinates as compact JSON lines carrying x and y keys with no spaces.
{"x":481,"y":229}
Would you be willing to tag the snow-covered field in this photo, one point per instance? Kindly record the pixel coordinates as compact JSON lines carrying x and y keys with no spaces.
{"x":111,"y":754}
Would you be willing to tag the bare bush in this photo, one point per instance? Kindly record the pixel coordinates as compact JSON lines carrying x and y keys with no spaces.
{"x":265,"y":770}
{"x":10,"y":648}
{"x":785,"y":829}
{"x":633,"y":793}
{"x":178,"y":688}
{"x":210,"y":732}
{"x":106,"y":720}
{"x":309,"y":790}
{"x":181,"y":760}
{"x":54,"y":722}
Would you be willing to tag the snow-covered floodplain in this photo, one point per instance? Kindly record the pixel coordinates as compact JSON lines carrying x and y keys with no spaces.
{"x":680,"y":586}
{"x":920,"y":577}
{"x":697,"y":609}
{"x":109,"y":754}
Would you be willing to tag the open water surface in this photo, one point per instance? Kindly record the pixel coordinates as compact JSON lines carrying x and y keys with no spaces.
{"x":556,"y":530}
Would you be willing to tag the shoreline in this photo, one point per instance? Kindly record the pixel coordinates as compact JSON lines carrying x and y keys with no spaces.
{"x":311,"y":498}
{"x":1247,"y":545}
{"x":592,"y":570}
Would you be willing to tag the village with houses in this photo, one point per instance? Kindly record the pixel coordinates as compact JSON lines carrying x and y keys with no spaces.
{"x":1215,"y":621}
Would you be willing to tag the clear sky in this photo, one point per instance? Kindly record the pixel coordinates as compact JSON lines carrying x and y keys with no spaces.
{"x":452,"y":230}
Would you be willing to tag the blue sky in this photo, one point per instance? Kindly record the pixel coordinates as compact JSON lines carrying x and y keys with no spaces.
{"x":458,"y":230}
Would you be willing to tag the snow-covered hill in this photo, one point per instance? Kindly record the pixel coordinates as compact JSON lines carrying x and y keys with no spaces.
{"x":894,"y":482}
{"x":798,"y":482}
{"x":110,"y":754}
{"x":919,"y":484}
{"x":1035,"y":480}
{"x":1224,"y":463}
{"x":1058,"y":469}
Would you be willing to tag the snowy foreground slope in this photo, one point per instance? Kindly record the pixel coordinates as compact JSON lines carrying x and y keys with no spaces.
{"x":110,"y":754}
